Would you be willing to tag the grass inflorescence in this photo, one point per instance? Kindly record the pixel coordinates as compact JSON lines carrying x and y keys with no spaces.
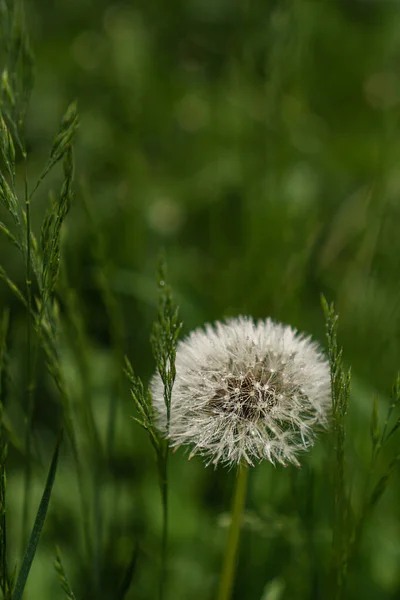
{"x":348,"y":520}
{"x":164,"y":339}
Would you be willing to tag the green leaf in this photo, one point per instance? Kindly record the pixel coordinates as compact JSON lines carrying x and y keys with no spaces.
{"x":4,"y":576}
{"x":37,"y":527}
{"x":128,"y":576}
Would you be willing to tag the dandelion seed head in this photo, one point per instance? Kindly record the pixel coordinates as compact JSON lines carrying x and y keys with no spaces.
{"x":246,"y":391}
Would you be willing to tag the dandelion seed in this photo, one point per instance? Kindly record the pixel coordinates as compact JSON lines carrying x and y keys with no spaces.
{"x":246,"y":391}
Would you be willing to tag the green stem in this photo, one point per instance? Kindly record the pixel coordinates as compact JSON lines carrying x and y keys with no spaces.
{"x":30,"y":375}
{"x":228,"y":569}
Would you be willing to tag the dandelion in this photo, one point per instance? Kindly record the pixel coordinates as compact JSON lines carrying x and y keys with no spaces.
{"x":246,"y":391}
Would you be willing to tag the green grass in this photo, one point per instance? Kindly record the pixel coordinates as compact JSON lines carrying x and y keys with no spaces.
{"x":258,"y":145}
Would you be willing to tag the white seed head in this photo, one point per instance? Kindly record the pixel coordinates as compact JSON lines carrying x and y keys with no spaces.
{"x":246,"y":391}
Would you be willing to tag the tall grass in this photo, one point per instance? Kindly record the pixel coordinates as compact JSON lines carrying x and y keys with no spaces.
{"x":113,"y":543}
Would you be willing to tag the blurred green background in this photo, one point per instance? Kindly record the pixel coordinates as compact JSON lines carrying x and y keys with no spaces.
{"x":257,"y":142}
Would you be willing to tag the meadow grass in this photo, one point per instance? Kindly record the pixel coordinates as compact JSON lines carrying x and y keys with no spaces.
{"x":266,"y":189}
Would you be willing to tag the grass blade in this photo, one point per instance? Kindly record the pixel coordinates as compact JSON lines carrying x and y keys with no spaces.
{"x":37,"y":527}
{"x":4,"y":577}
{"x":128,"y":576}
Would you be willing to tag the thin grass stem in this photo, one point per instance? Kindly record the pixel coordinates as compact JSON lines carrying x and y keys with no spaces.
{"x":30,"y":371}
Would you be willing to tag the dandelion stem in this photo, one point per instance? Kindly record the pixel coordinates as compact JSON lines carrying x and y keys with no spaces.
{"x":164,"y":500}
{"x":228,"y":569}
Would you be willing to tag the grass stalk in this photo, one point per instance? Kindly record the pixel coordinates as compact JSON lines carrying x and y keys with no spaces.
{"x":164,"y":340}
{"x":342,"y":525}
{"x":30,"y":370}
{"x":230,"y":558}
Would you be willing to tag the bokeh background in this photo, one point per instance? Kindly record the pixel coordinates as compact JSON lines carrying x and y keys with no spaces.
{"x":258,"y":143}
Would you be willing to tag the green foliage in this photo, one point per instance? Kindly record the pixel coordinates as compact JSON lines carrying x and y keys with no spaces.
{"x":17,"y":81}
{"x":128,"y":575}
{"x":5,"y":583}
{"x":340,"y":389}
{"x":379,"y":438}
{"x":51,"y":229}
{"x":9,"y":201}
{"x":12,"y":286}
{"x":347,"y":526}
{"x":165,"y":334}
{"x":17,"y":75}
{"x":62,"y":148}
{"x":164,"y":339}
{"x":30,"y":552}
{"x":59,"y":567}
{"x":142,"y":399}
{"x":210,"y":129}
